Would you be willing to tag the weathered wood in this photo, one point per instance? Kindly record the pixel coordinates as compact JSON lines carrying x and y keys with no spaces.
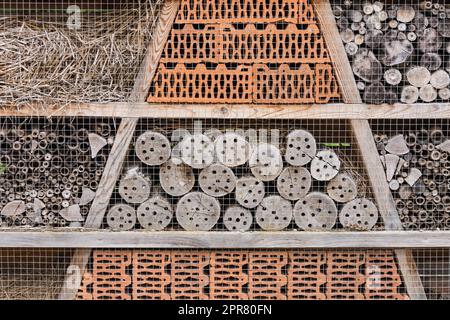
{"x":266,"y":162}
{"x":393,"y":76}
{"x":232,"y":149}
{"x":294,"y":183}
{"x":249,"y":192}
{"x":153,"y":148}
{"x":217,"y":180}
{"x":359,"y":214}
{"x":155,"y":214}
{"x":237,"y":218}
{"x":134,"y":187}
{"x":418,"y":76}
{"x":176,"y":179}
{"x":121,"y":217}
{"x":197,"y":211}
{"x":342,"y":188}
{"x":410,"y":94}
{"x":316,"y":211}
{"x":397,"y":145}
{"x":72,"y":213}
{"x":427,"y":93}
{"x":96,"y":143}
{"x":273,"y":213}
{"x":325,"y":166}
{"x":301,"y":147}
{"x":197,"y":151}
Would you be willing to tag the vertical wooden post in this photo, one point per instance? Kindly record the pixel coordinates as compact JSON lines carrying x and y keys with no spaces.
{"x":121,"y":145}
{"x":363,"y":134}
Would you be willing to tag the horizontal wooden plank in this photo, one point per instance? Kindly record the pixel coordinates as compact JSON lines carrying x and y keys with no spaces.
{"x":182,"y":239}
{"x":239,"y":111}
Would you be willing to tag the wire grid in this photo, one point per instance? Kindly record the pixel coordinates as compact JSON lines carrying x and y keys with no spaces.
{"x":245,"y":52}
{"x":422,"y":206}
{"x":57,"y":52}
{"x":398,"y":50}
{"x":48,"y":165}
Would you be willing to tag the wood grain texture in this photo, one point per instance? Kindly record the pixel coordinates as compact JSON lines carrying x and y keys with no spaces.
{"x":121,"y":144}
{"x":363,"y":134}
{"x":224,"y":239}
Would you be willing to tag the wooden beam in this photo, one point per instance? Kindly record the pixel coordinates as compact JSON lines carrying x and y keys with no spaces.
{"x":121,"y":145}
{"x":369,"y":153}
{"x":355,"y":111}
{"x":224,"y":239}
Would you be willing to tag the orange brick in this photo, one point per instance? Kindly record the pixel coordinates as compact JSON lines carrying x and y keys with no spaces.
{"x":306,"y":277}
{"x":227,"y":274}
{"x":306,"y":12}
{"x":326,"y":86}
{"x":85,"y":291}
{"x":150,"y":276}
{"x":267,"y":279}
{"x":188,"y":274}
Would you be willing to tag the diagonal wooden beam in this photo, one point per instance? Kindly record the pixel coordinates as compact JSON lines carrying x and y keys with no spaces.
{"x":121,"y":145}
{"x":363,"y":134}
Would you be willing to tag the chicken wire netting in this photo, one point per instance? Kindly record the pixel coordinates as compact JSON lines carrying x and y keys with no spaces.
{"x":398,"y":50}
{"x":60,"y":52}
{"x":223,"y":274}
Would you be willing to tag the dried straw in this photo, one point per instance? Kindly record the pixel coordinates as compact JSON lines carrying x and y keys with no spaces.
{"x":45,"y":62}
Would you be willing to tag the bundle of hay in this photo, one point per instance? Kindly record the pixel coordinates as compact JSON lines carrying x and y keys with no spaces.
{"x":45,"y":62}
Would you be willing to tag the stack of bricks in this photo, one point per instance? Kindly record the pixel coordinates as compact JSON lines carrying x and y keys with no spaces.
{"x":251,"y":51}
{"x":241,"y":274}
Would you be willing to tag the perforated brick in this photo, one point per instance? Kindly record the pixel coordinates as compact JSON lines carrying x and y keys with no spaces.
{"x":85,"y":290}
{"x":267,"y":279}
{"x":192,"y":45}
{"x":109,"y":274}
{"x":239,"y":11}
{"x":306,"y":12}
{"x":345,"y":274}
{"x":202,"y":85}
{"x":382,"y":277}
{"x":273,"y":44}
{"x":326,"y":87}
{"x":228,"y":275}
{"x":150,"y":275}
{"x":306,"y":275}
{"x":189,"y":277}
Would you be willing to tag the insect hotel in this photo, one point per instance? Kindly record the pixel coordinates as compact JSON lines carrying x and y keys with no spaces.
{"x":251,"y":149}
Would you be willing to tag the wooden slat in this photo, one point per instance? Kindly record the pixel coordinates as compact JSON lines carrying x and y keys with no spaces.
{"x":225,"y":239}
{"x":355,"y":111}
{"x":122,"y":141}
{"x":369,"y":153}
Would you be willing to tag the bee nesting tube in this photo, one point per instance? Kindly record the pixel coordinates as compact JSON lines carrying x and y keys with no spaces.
{"x":153,"y":148}
{"x":249,"y":192}
{"x":155,"y":214}
{"x":294,"y":183}
{"x":342,"y":188}
{"x":232,"y":149}
{"x":237,"y":218}
{"x":301,"y":148}
{"x":274,"y":213}
{"x":316,"y":211}
{"x":217,"y":180}
{"x":176,"y":179}
{"x":197,"y":211}
{"x":134,"y":187}
{"x":121,"y":217}
{"x":266,"y":162}
{"x":325,"y":166}
{"x":197,"y":151}
{"x":361,"y":214}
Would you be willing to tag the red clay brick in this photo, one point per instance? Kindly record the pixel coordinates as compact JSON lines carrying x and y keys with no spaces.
{"x":188,"y":274}
{"x":306,"y":277}
{"x":266,"y":275}
{"x":202,"y":85}
{"x":190,"y":45}
{"x":306,"y":12}
{"x":150,"y":276}
{"x":273,"y":45}
{"x":240,"y":11}
{"x":382,"y":277}
{"x":326,"y":85}
{"x":109,"y":274}
{"x":85,"y":291}
{"x":227,"y":275}
{"x":344,"y":276}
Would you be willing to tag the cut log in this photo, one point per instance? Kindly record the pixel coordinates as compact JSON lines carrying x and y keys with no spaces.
{"x":266,"y":162}
{"x":444,"y":93}
{"x":155,"y":214}
{"x":294,"y":183}
{"x":316,"y":211}
{"x":431,"y":61}
{"x":121,"y":217}
{"x":197,"y":151}
{"x":176,"y":179}
{"x":405,"y":192}
{"x":153,"y":148}
{"x":406,"y":14}
{"x":367,"y":8}
{"x":430,"y":41}
{"x":325,"y":166}
{"x":413,"y":176}
{"x":96,"y":143}
{"x":249,"y":192}
{"x":444,"y":28}
{"x":351,"y":48}
{"x":38,"y":206}
{"x":375,"y":93}
{"x":217,"y":180}
{"x":428,"y":93}
{"x":440,"y":79}
{"x":394,"y":185}
{"x":232,"y":149}
{"x":411,"y":36}
{"x":444,"y":146}
{"x":13,"y":208}
{"x":87,"y":195}
{"x":301,"y":147}
{"x":397,"y":145}
{"x":134,"y":187}
{"x":197,"y":211}
{"x":393,"y":76}
{"x":391,"y":162}
{"x":237,"y":218}
{"x":342,"y":188}
{"x":420,"y":21}
{"x":373,"y":39}
{"x":390,"y":97}
{"x":396,"y":52}
{"x":347,"y":35}
{"x":410,"y":94}
{"x":355,"y":15}
{"x":418,"y":76}
{"x":213,"y":133}
{"x":359,"y":214}
{"x":366,"y":66}
{"x":72,"y":213}
{"x":273,"y":213}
